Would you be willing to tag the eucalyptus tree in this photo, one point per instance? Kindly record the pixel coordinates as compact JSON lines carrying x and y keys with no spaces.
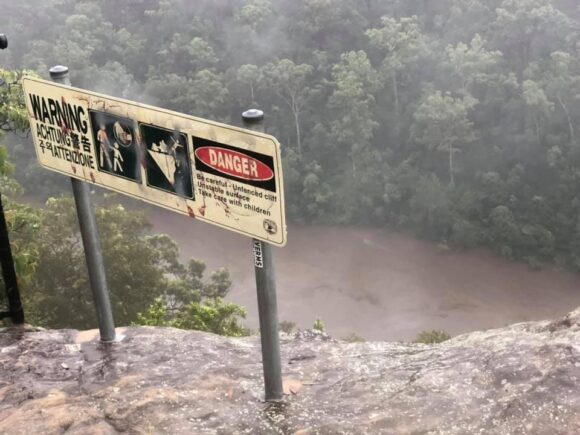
{"x":254,"y":14}
{"x":442,"y":123}
{"x":355,"y":82}
{"x":249,"y":77}
{"x":291,"y":83}
{"x":527,"y":29}
{"x":400,"y":41}
{"x":472,"y":64}
{"x":558,"y":78}
{"x":540,"y":108}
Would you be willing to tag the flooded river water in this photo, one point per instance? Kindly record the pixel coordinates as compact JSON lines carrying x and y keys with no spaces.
{"x":378,"y":284}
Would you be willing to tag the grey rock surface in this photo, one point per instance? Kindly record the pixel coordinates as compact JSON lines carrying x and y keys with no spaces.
{"x":522,"y":379}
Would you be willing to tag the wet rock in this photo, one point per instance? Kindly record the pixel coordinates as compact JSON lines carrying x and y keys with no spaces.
{"x":522,"y":379}
{"x":311,"y":334}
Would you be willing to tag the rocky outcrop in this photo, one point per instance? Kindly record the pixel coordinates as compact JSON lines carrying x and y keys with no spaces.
{"x":522,"y":379}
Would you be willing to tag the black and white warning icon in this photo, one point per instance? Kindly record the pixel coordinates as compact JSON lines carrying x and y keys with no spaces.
{"x":168,"y":166}
{"x":116,"y":147}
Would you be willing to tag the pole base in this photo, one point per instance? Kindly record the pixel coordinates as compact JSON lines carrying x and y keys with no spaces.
{"x":118,"y":338}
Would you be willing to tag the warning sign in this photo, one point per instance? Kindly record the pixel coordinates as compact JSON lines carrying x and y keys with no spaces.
{"x":213,"y":172}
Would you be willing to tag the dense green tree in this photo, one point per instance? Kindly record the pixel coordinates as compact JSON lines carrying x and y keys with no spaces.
{"x":465,"y":18}
{"x":245,"y":83}
{"x":431,"y":206}
{"x":12,"y":112}
{"x":135,"y":272}
{"x":140,"y":268}
{"x":560,"y":79}
{"x":529,"y":28}
{"x":540,"y":108}
{"x":472,"y":65}
{"x":289,"y":82}
{"x":207,"y":92}
{"x":400,"y":42}
{"x":442,"y":123}
{"x":355,"y":82}
{"x":254,"y":14}
{"x":20,"y":219}
{"x":211,"y":315}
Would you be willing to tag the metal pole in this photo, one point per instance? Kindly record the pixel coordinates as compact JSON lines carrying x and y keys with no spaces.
{"x":15,"y":311}
{"x":9,"y":273}
{"x":267,"y":300}
{"x":90,"y":236}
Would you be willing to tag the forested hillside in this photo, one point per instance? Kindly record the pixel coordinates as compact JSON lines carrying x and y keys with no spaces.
{"x":453,"y":119}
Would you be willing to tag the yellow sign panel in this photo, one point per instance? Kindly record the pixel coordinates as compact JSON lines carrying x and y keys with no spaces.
{"x":212,"y":172}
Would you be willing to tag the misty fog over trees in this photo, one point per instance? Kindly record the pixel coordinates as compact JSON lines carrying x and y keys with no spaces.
{"x":455,"y":120}
{"x":452,"y":119}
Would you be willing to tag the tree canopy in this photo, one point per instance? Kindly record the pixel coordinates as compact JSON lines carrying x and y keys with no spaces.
{"x":452,"y":119}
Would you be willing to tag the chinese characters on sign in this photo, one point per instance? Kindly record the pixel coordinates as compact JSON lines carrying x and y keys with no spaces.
{"x":217,"y":173}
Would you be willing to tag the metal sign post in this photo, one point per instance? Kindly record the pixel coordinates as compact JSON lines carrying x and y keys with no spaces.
{"x":90,"y":236}
{"x":15,"y":311}
{"x":267,"y":300}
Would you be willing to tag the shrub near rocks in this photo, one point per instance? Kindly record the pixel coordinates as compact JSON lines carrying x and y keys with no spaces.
{"x":432,"y":337}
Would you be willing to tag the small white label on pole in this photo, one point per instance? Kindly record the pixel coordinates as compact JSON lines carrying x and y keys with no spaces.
{"x":258,"y":258}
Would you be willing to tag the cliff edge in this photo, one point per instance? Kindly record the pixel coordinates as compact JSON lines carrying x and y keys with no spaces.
{"x":522,"y":379}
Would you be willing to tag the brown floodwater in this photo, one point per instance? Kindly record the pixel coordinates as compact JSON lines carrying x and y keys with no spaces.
{"x":379,"y":284}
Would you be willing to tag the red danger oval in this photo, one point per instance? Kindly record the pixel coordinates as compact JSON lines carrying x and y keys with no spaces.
{"x":234,"y":163}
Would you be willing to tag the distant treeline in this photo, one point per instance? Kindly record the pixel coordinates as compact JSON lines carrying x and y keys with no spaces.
{"x":454,"y":119}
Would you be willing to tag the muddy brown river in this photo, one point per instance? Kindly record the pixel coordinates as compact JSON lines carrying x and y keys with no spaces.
{"x":378,"y":284}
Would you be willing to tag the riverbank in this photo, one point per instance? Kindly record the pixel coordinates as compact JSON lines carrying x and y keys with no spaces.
{"x":378,"y":284}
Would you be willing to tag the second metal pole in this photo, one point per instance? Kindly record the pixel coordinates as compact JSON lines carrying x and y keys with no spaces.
{"x":267,"y":300}
{"x":90,"y":236}
{"x":9,"y":273}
